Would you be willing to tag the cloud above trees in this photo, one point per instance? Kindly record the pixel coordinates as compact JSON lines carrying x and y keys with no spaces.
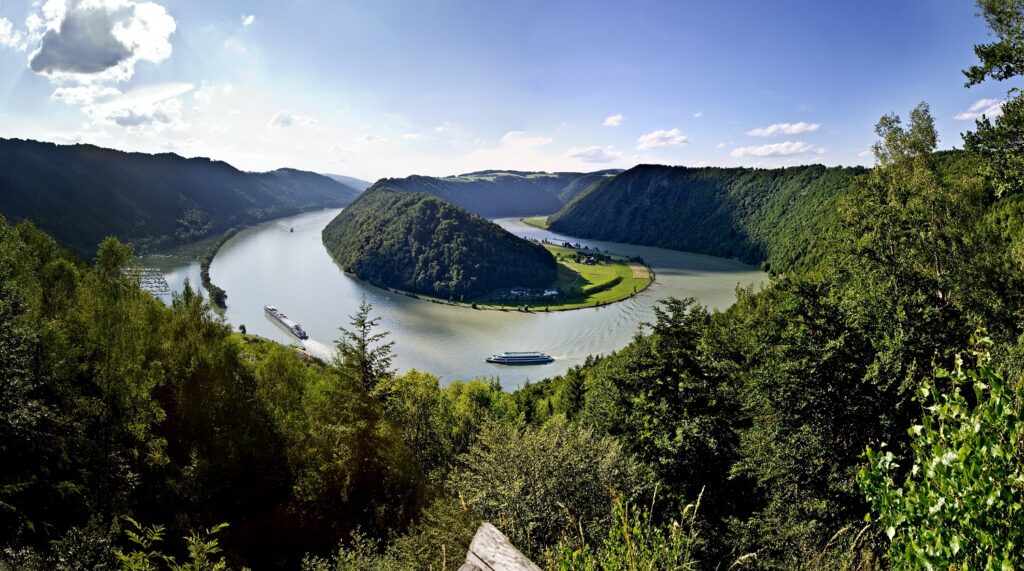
{"x":595,"y":154}
{"x":661,"y":138}
{"x":786,"y":149}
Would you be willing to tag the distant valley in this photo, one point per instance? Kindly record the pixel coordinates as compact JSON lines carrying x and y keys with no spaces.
{"x":81,"y":193}
{"x":496,"y":194}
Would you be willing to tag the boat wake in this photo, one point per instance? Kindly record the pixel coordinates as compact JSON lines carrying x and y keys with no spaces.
{"x":318,"y":349}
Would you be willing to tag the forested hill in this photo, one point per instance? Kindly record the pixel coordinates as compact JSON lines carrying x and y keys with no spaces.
{"x":754,"y":215}
{"x":420,"y":243}
{"x":494,"y":194}
{"x":82,"y":193}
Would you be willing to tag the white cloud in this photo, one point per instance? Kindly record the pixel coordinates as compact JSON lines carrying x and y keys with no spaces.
{"x":661,"y":138}
{"x":83,"y":94}
{"x":284,"y":119}
{"x":369,"y":139}
{"x":155,"y":107}
{"x":411,"y":136}
{"x":443,"y":127}
{"x":784,"y":129}
{"x":723,"y":145}
{"x":595,"y":154}
{"x":515,"y":150}
{"x":100,"y":40}
{"x":248,"y":19}
{"x":209,"y":93}
{"x":786,"y":149}
{"x":9,"y":37}
{"x":990,"y":108}
{"x":614,"y":120}
{"x":235,"y":46}
{"x":698,"y":115}
{"x":519,"y":139}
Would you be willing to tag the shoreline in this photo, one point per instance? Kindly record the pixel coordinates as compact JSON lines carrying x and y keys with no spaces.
{"x":218,"y":296}
{"x":531,"y":308}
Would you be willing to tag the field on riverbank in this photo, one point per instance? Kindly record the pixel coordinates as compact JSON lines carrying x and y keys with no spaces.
{"x":581,"y":284}
{"x":537,"y":221}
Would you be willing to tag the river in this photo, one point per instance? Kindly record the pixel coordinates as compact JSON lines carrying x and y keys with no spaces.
{"x":284,"y":263}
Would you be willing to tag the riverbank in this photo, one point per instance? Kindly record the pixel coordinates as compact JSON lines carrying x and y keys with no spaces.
{"x":586,"y":279}
{"x":218,"y":296}
{"x":536,"y":221}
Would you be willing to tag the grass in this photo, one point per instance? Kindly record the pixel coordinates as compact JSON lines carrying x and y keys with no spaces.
{"x":586,"y":285}
{"x":538,"y":221}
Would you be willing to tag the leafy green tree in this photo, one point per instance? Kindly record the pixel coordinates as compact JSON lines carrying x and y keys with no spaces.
{"x":998,"y":140}
{"x":808,"y":411}
{"x":204,"y":551}
{"x":438,"y":424}
{"x":20,"y":408}
{"x":665,"y":401}
{"x":543,"y":484}
{"x":959,"y":502}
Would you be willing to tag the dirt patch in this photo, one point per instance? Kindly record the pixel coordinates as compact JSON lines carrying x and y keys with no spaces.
{"x":640,"y":271}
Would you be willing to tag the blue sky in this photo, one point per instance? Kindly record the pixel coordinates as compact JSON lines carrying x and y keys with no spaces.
{"x":389,"y":88}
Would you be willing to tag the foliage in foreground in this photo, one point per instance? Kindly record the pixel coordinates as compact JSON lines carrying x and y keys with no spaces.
{"x":635,"y":542}
{"x":960,"y":502}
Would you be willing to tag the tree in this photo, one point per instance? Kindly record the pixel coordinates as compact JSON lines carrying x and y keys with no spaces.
{"x":574,"y":393}
{"x":999,"y":141}
{"x":1002,"y":59}
{"x":910,"y":265}
{"x":542,"y":484}
{"x":20,"y":410}
{"x":670,"y":408}
{"x":362,"y":353}
{"x":959,"y":505}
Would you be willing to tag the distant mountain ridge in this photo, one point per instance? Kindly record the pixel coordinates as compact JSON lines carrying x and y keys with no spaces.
{"x":417,"y":242}
{"x":501,"y":193}
{"x":356,"y":183}
{"x":82,"y":193}
{"x":773,"y":216}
